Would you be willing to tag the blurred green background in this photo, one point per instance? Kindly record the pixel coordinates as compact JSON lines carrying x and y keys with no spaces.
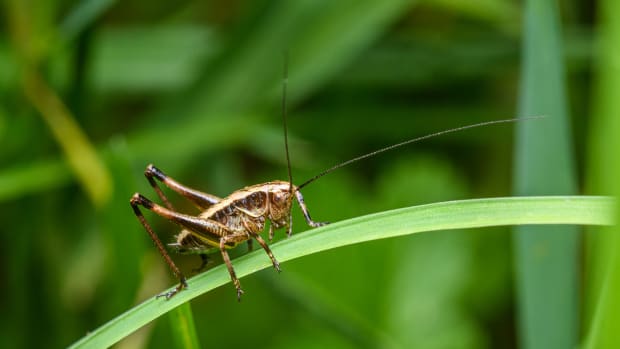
{"x":92,"y":91}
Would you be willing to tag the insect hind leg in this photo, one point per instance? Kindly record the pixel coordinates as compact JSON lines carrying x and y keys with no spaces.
{"x":139,"y":200}
{"x":200,"y":199}
{"x":198,"y":225}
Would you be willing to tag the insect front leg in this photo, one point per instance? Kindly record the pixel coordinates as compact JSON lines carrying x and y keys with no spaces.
{"x":200,"y":199}
{"x":286,"y":222}
{"x":304,"y":209}
{"x":289,"y":227}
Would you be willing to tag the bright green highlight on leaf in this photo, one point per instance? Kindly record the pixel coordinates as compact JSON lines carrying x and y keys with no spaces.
{"x":182,"y":326}
{"x":578,"y":210}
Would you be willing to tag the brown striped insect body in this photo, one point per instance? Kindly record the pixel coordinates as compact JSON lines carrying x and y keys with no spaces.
{"x":247,"y":210}
{"x":224,"y":223}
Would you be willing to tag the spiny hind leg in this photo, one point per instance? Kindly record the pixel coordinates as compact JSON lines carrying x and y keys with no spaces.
{"x":262,"y":242}
{"x":200,"y":199}
{"x":137,"y":200}
{"x":304,"y":209}
{"x":197,"y":225}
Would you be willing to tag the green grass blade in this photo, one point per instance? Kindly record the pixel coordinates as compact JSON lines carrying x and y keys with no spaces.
{"x":433,"y":217}
{"x":26,"y":179}
{"x":602,"y":272}
{"x":183,"y":329}
{"x":546,"y":257}
{"x":82,"y":15}
{"x":79,"y":152}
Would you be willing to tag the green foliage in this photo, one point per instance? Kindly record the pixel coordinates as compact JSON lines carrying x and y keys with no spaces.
{"x":603,"y":277}
{"x":194,"y":87}
{"x":540,"y":150}
{"x":433,"y":217}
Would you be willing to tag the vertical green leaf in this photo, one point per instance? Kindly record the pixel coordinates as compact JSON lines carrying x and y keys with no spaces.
{"x":124,"y":239}
{"x":183,"y":328}
{"x":82,"y":15}
{"x":603,"y":265}
{"x":546,"y":258}
{"x":80,"y":153}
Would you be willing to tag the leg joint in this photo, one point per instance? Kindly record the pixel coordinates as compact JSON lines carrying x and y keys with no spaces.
{"x":152,"y":171}
{"x":138,"y":199}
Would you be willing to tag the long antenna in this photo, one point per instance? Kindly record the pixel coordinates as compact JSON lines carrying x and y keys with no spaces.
{"x":284,"y":85}
{"x":417,"y":139}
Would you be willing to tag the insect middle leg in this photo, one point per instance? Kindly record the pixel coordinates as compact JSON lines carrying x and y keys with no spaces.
{"x":200,"y":199}
{"x":227,"y":239}
{"x":262,"y":242}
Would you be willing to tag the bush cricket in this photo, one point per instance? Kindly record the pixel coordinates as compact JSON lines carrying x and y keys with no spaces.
{"x":226,"y":222}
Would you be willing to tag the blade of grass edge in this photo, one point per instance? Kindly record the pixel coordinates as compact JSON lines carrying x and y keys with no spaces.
{"x":439,"y":216}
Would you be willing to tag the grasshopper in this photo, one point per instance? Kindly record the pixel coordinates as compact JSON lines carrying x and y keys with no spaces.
{"x":226,"y":222}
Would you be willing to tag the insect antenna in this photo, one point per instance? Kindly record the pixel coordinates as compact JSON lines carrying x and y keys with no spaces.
{"x":413,"y":140}
{"x":284,"y":85}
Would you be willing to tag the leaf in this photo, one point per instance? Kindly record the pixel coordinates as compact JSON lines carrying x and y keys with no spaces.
{"x":546,"y":258}
{"x":433,"y":217}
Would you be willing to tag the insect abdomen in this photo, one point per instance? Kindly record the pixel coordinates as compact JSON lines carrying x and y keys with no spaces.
{"x":243,"y":210}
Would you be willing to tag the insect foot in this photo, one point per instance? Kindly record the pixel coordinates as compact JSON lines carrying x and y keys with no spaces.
{"x":174,"y":291}
{"x":239,"y":291}
{"x":276,"y":265}
{"x":138,"y":200}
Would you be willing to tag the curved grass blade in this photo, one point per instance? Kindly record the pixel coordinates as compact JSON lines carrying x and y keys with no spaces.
{"x":580,"y":210}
